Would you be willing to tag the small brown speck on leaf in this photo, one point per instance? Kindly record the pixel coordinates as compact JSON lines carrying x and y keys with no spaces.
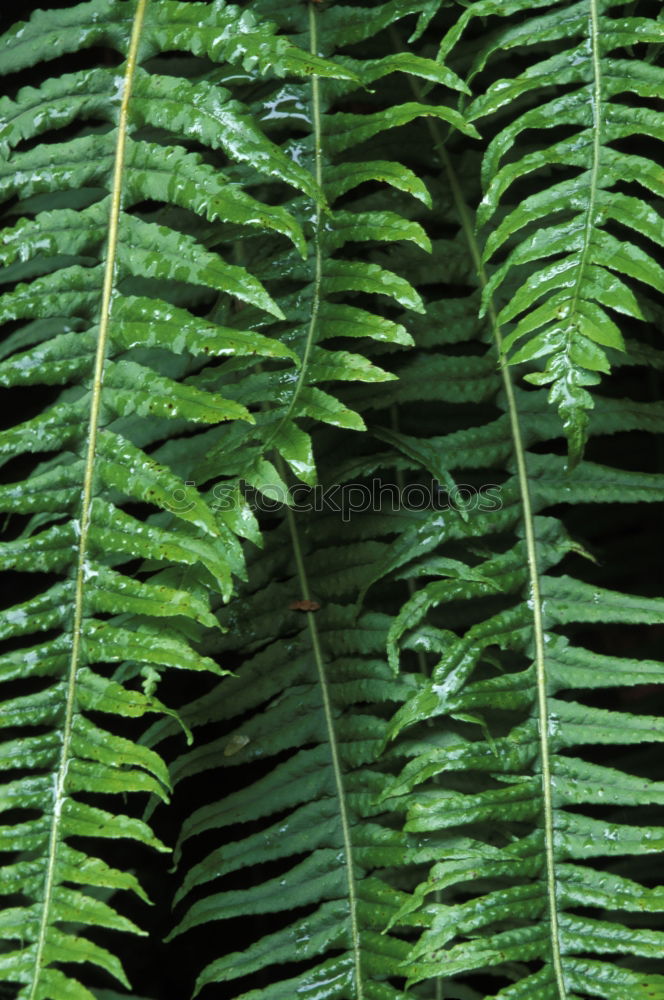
{"x":303,"y":606}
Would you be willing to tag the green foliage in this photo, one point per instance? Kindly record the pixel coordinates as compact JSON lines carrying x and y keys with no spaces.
{"x":574,"y":283}
{"x":279,"y":272}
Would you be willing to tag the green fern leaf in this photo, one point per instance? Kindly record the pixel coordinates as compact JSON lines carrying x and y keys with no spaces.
{"x":106,"y":271}
{"x":569,"y":264}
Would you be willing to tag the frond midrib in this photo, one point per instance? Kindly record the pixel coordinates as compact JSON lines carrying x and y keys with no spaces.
{"x":594,"y":170}
{"x":317,"y":222}
{"x":332,"y":742}
{"x":535,"y":599}
{"x":86,"y":499}
{"x":292,"y":525}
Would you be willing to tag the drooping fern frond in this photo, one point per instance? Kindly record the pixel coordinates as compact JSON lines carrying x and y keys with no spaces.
{"x":304,"y":691}
{"x":529,"y":823}
{"x":333,"y":294}
{"x":103,"y":289}
{"x":577,"y":218}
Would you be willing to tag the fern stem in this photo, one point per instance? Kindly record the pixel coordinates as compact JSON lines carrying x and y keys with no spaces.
{"x":594,"y":170}
{"x":60,"y":777}
{"x":535,"y":602}
{"x":318,"y":254}
{"x":533,"y":570}
{"x":332,"y":739}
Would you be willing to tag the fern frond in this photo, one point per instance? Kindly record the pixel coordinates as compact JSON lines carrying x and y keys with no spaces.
{"x":101,"y":288}
{"x":329,"y":817}
{"x":504,"y":785}
{"x":570,"y":273}
{"x":330,"y":280}
{"x":314,"y":693}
